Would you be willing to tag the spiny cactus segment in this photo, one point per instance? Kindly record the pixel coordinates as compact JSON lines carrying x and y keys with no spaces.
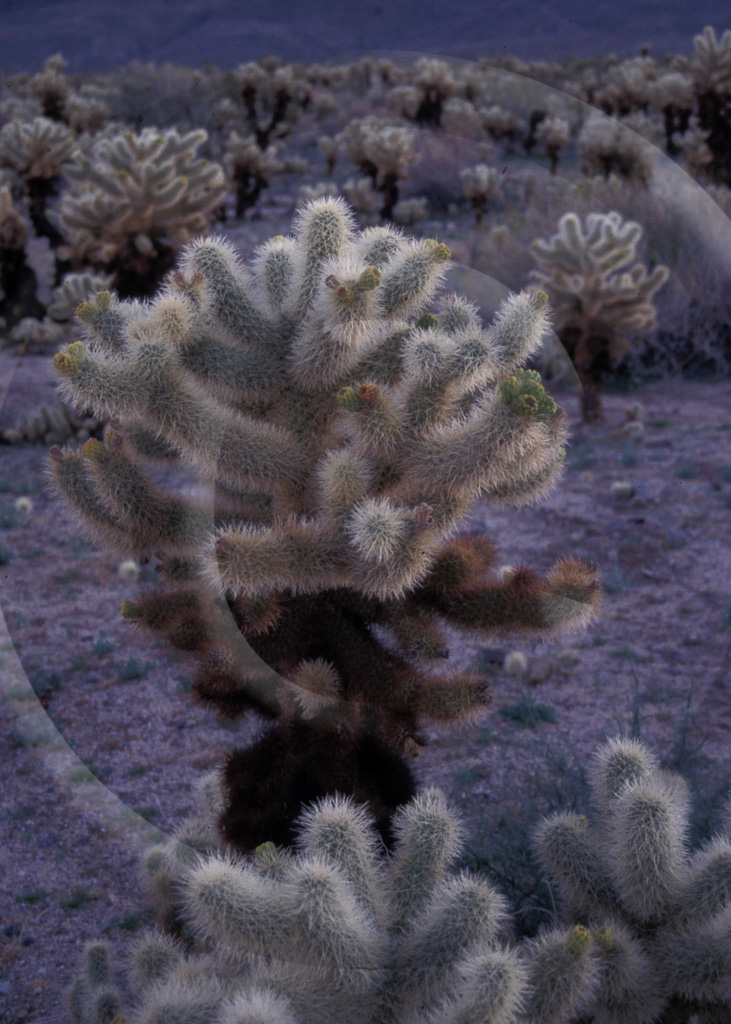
{"x":660,"y":913}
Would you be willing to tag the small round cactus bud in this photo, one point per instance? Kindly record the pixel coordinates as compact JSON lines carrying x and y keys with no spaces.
{"x":368,"y":393}
{"x":515,"y":663}
{"x":604,"y":939}
{"x":128,"y":570}
{"x":103,"y":300}
{"x":55,"y":453}
{"x":85,"y":312}
{"x":331,"y":281}
{"x":427,"y":321}
{"x":94,"y":450}
{"x":349,"y":399}
{"x":130,"y":610}
{"x":622,"y":490}
{"x":343,"y":293}
{"x":578,"y":940}
{"x":67,"y":363}
{"x":369,"y":279}
{"x":539,"y":299}
{"x":440,"y":252}
{"x":265,"y":851}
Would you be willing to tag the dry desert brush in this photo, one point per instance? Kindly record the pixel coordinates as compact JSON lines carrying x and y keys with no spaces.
{"x":344,"y":432}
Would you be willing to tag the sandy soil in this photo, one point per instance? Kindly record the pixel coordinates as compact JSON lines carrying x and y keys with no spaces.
{"x":102,"y":740}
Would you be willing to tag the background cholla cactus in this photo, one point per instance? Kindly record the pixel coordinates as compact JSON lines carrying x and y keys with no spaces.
{"x":627,"y":86}
{"x":434,"y":83}
{"x":710,"y":67}
{"x":600,"y":291}
{"x":383,"y":151}
{"x":75,"y":289}
{"x":134,"y":200}
{"x":347,"y":432}
{"x":18,"y":281}
{"x":250,"y":168}
{"x":37,"y":151}
{"x":609,"y":147}
{"x":661,"y":914}
{"x":553,"y":134}
{"x":672,"y":93}
{"x":51,"y":87}
{"x":336,"y":932}
{"x":273,"y":99}
{"x":481,"y":184}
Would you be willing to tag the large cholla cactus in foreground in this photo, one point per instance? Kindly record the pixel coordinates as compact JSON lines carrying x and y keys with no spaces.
{"x":600,"y":291}
{"x":661,"y":915}
{"x":134,"y":200}
{"x":347,"y":432}
{"x":336,"y":932}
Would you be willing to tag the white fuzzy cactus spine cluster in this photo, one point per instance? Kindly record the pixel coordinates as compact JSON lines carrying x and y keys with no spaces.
{"x":336,"y":931}
{"x":661,"y":914}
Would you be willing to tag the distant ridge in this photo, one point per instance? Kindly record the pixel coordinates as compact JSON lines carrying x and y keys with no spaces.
{"x":98,"y":35}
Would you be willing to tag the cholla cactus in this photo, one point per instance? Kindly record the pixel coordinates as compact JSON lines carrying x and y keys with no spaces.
{"x":272,"y":98}
{"x":661,"y":915}
{"x":250,"y":168}
{"x":601,"y":294}
{"x":382,"y":150}
{"x":37,"y":151}
{"x":410,"y":211}
{"x":627,"y":87}
{"x":133,"y":200}
{"x":553,"y":134}
{"x":710,"y":66}
{"x":481,"y":184}
{"x":434,"y":83}
{"x":500,"y":123}
{"x":347,"y":431}
{"x":18,"y":281}
{"x":609,"y":147}
{"x":338,"y":933}
{"x":328,"y":146}
{"x":672,"y":93}
{"x":75,"y":289}
{"x":51,"y":87}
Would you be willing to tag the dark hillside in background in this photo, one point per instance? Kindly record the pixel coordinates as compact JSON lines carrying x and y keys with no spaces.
{"x":97,"y":35}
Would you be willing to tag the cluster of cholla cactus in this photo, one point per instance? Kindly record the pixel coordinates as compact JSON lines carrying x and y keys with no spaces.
{"x":18,"y":281}
{"x":336,"y":931}
{"x":346,"y":430}
{"x":660,"y":914}
{"x":134,"y":200}
{"x":481,"y":184}
{"x":553,"y":133}
{"x":610,"y":147}
{"x":710,"y":67}
{"x":250,"y":168}
{"x":428,"y":87}
{"x":383,"y":151}
{"x":600,"y":291}
{"x":38,"y":151}
{"x":273,"y":97}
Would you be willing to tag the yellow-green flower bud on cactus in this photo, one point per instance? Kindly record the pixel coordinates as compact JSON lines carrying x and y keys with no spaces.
{"x":525,"y":395}
{"x":67,"y":362}
{"x":349,"y":399}
{"x":369,"y":279}
{"x":129,"y":610}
